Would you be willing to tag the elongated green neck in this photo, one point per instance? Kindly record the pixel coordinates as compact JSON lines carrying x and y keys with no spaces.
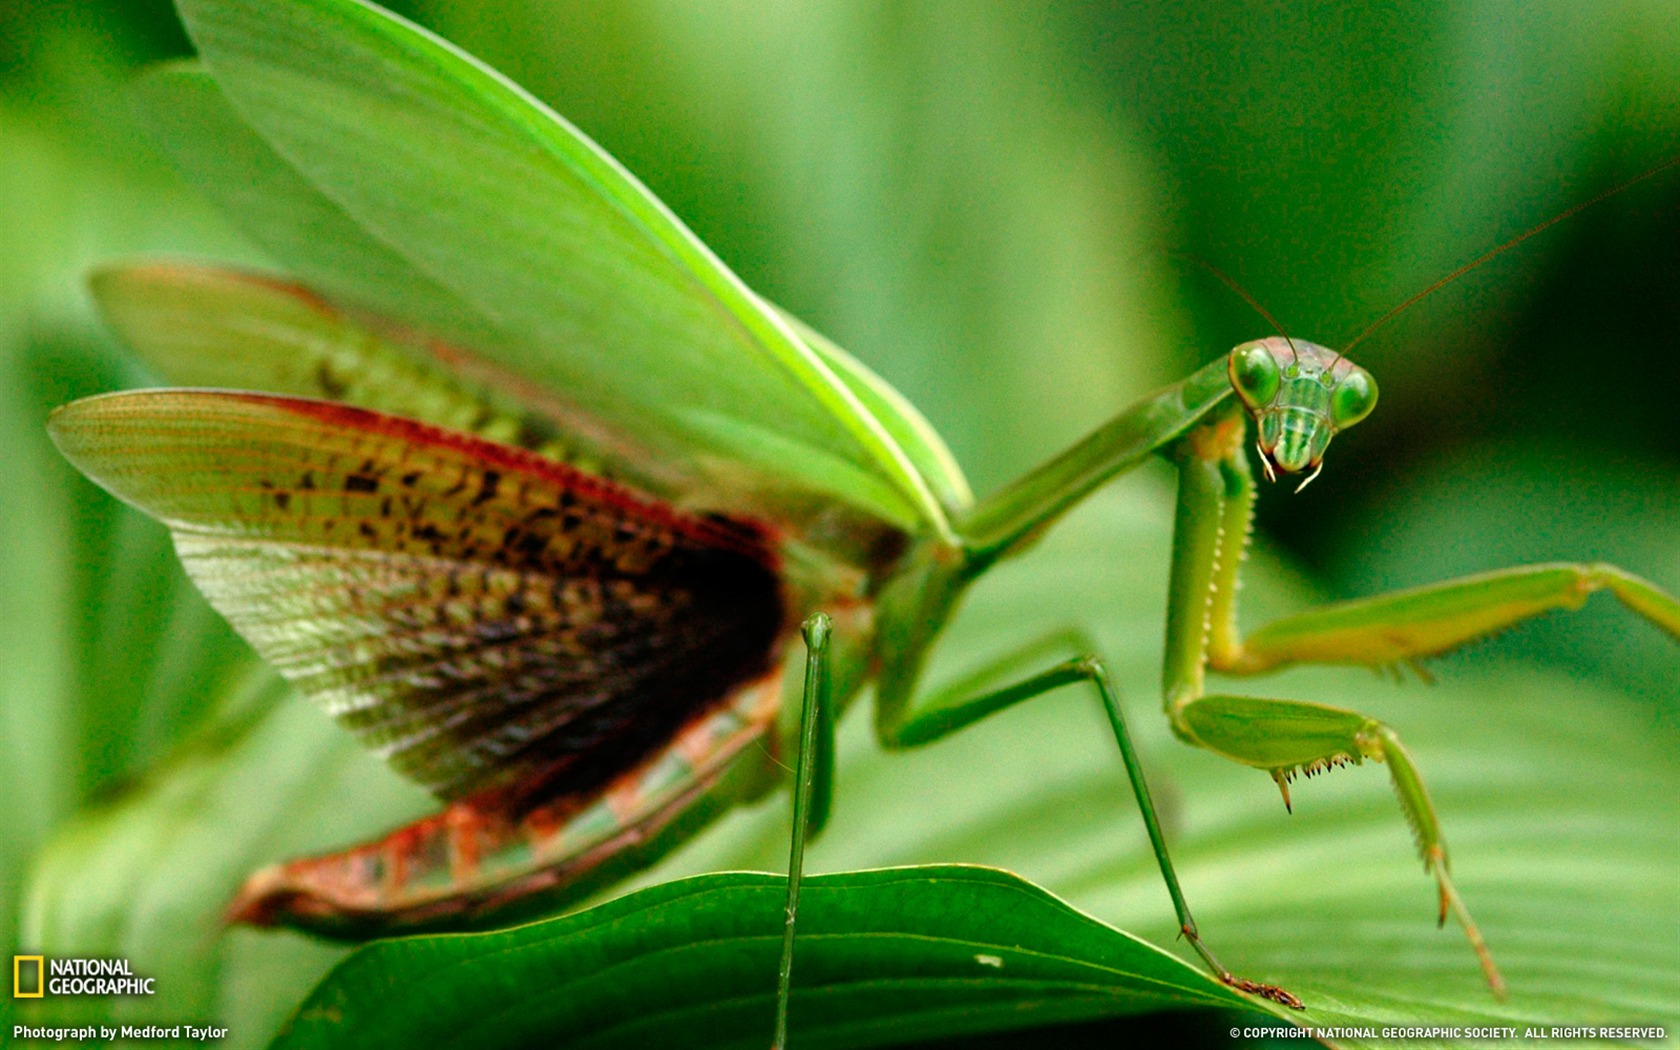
{"x":1006,"y":520}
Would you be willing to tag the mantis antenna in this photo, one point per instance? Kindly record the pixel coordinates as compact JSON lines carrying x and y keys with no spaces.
{"x":1512,"y":243}
{"x":1231,"y":283}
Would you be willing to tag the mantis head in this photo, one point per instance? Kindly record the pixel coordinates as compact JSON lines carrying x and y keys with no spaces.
{"x":1300,"y":395}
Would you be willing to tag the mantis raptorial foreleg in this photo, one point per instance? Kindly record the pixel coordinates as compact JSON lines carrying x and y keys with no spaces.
{"x":1287,"y":737}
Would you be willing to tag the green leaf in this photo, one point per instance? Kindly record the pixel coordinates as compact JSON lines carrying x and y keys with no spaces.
{"x":571,"y":267}
{"x":887,"y":956}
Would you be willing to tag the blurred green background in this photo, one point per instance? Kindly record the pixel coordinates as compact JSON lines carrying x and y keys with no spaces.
{"x":988,"y":204}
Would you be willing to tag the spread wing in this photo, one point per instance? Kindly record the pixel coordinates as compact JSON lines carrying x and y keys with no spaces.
{"x":477,"y":614}
{"x":391,"y":171}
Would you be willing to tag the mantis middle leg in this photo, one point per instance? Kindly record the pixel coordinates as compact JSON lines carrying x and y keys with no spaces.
{"x":944,"y":713}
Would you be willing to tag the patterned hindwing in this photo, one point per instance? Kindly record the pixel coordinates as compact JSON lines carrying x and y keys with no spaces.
{"x":480,"y":616}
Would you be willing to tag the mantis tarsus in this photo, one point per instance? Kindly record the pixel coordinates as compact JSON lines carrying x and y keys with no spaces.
{"x":558,"y":578}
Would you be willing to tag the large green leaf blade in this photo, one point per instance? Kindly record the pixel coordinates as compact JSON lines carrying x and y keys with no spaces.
{"x":887,"y":956}
{"x":585,"y":273}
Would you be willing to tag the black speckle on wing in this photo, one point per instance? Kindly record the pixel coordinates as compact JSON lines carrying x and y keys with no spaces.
{"x":482,"y":618}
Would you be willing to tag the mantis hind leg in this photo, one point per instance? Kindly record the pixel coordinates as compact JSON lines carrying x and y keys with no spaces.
{"x":945,"y":713}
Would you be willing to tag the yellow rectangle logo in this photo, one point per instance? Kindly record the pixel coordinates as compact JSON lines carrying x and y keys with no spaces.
{"x":40,"y":976}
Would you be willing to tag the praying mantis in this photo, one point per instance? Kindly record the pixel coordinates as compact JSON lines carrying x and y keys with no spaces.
{"x":556,"y":561}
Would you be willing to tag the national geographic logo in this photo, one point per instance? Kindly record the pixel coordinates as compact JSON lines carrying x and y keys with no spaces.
{"x":29,"y":971}
{"x":36,"y":976}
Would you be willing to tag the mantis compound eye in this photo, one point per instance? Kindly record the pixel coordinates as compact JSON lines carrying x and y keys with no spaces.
{"x":1255,"y":375}
{"x":1354,"y":397}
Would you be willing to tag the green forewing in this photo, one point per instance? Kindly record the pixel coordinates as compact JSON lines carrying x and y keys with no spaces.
{"x":327,"y":249}
{"x":914,"y":434}
{"x":206,"y":326}
{"x":571,"y":270}
{"x":283,"y":212}
{"x":479,"y":615}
